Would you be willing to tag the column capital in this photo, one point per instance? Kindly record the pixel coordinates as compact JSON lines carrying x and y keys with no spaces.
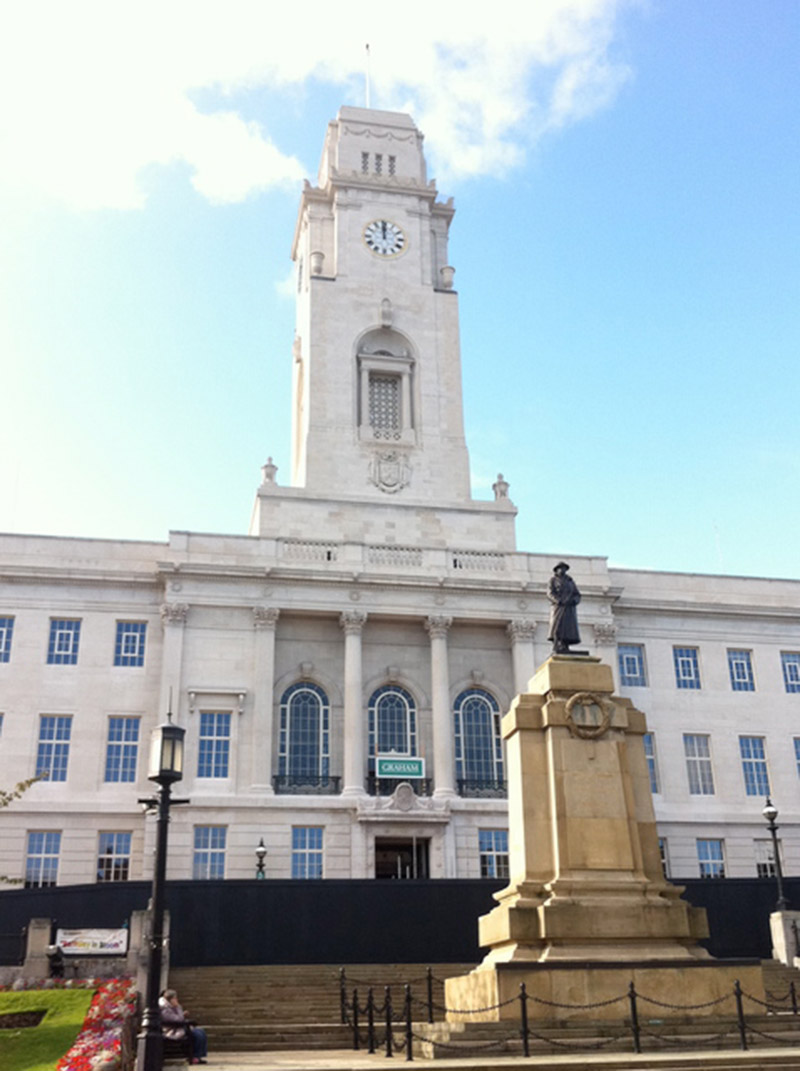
{"x":521,"y":629}
{"x":437,"y":625}
{"x":352,"y":621}
{"x":174,"y":613}
{"x":265,"y":616}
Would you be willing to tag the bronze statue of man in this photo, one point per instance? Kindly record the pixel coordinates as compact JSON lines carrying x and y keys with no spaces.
{"x":564,"y":598}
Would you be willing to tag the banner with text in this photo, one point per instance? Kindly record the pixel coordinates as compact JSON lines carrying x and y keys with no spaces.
{"x":93,"y":942}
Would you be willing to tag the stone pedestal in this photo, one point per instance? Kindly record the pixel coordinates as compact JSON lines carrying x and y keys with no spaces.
{"x":586,"y":897}
{"x":784,"y":929}
{"x":36,"y":963}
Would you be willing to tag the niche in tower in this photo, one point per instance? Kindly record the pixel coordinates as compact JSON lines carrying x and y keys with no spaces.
{"x":385,"y":365}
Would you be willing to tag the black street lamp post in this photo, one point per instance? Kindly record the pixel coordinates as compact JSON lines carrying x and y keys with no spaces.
{"x":166,"y":767}
{"x":261,"y":852}
{"x":770,"y":812}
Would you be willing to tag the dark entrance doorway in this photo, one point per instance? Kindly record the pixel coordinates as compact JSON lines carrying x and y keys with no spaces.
{"x":401,"y":858}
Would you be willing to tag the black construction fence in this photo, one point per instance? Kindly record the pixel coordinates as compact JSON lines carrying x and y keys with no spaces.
{"x":215,"y":923}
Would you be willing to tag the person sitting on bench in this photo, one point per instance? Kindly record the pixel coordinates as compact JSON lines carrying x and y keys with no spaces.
{"x":176,"y":1025}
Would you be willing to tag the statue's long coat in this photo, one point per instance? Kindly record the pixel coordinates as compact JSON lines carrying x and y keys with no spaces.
{"x":564,"y":597}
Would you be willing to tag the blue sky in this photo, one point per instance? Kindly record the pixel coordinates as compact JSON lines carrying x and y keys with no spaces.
{"x":626,"y":243}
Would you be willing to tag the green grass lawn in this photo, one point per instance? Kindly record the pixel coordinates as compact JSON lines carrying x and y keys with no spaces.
{"x":39,"y":1048}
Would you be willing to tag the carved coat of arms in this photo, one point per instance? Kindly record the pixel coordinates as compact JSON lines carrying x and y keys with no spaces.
{"x":390,"y":471}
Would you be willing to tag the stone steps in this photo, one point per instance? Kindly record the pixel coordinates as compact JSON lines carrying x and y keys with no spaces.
{"x":285,"y":1006}
{"x":296,"y":1008}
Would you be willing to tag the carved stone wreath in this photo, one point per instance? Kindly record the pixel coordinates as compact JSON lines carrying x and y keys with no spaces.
{"x":588,"y":715}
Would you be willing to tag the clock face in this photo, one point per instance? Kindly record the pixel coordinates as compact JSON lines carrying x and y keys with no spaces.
{"x":384,"y":238}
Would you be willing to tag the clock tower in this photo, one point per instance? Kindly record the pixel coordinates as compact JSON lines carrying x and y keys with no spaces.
{"x":377,"y":407}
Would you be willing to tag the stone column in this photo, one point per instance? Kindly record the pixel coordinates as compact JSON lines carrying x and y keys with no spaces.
{"x":352,"y":621}
{"x":405,"y":401}
{"x":173,"y":618}
{"x":265,"y":620}
{"x":443,"y":752}
{"x":521,"y":632}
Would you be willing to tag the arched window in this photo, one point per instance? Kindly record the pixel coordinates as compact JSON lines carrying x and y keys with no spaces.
{"x":478,"y":744}
{"x":304,"y":744}
{"x":392,"y":723}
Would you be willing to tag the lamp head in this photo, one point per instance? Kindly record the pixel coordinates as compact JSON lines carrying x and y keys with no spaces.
{"x":770,"y":811}
{"x":166,"y":753}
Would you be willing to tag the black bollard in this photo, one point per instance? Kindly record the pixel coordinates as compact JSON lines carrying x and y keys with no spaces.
{"x":637,"y":1042}
{"x":407,"y":1009}
{"x":523,"y":1018}
{"x":388,"y":1006}
{"x":370,"y":1020}
{"x":737,"y":992}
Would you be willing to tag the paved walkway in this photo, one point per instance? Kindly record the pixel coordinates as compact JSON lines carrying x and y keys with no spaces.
{"x":348,"y":1060}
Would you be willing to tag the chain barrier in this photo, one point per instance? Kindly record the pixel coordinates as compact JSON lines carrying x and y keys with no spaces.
{"x":771,"y":1037}
{"x":684,"y":1007}
{"x":691,"y":1042}
{"x":482,"y":1046}
{"x":352,"y":1009}
{"x":764,"y":1003}
{"x":582,"y":1045}
{"x":477,"y":1011}
{"x":778,"y":999}
{"x":597,"y":1004}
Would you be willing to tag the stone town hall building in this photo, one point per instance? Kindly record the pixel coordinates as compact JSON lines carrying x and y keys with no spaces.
{"x":374,"y":609}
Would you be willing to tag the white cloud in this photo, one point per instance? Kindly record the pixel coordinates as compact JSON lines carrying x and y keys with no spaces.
{"x":95,"y":92}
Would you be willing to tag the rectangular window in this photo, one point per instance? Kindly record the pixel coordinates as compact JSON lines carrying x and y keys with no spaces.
{"x":797,"y":754}
{"x":711,"y":857}
{"x":53,"y":752}
{"x":113,"y":856}
{"x":740,"y":667}
{"x":493,"y":850}
{"x":365,"y":163}
{"x":41,"y":863}
{"x":6,"y":635}
{"x":765,"y":858}
{"x":790,"y":661}
{"x":307,"y":852}
{"x":129,"y":643}
{"x":209,"y":853}
{"x":215,"y":744}
{"x":754,"y":765}
{"x":650,"y":755}
{"x":697,"y":749}
{"x":392,"y":165}
{"x":687,"y":667}
{"x":631,"y":665}
{"x":62,"y":647}
{"x":663,"y":851}
{"x":384,"y":405}
{"x":122,"y":749}
{"x":378,"y":163}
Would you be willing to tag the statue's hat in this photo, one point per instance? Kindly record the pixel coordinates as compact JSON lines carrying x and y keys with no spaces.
{"x":561,"y":565}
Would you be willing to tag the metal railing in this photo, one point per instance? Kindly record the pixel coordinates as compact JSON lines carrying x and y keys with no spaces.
{"x":385,"y":786}
{"x":305,"y":785}
{"x":481,"y":788}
